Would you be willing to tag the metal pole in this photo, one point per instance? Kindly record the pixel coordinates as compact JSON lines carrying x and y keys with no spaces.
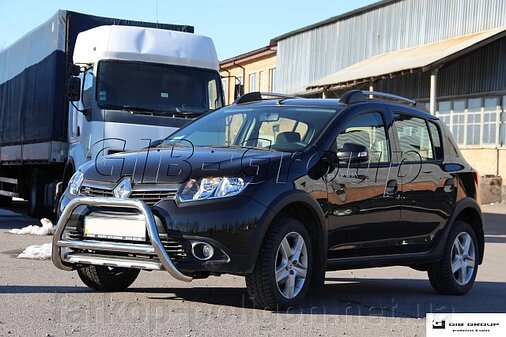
{"x":433,"y":90}
{"x":371,"y":89}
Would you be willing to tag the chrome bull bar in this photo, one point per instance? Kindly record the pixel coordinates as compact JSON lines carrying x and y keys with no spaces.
{"x":156,"y":248}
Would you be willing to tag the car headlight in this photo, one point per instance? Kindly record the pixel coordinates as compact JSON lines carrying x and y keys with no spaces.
{"x":75,"y":183}
{"x":210,"y":188}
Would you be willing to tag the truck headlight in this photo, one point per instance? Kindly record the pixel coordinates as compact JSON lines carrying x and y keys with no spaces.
{"x":210,"y":188}
{"x":75,"y":183}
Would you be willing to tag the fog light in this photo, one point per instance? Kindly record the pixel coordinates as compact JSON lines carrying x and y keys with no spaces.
{"x":202,"y":251}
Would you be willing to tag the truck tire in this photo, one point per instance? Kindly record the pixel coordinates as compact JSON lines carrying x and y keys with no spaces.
{"x":282,"y":273}
{"x":107,"y":278}
{"x":36,"y":208}
{"x":455,"y":273}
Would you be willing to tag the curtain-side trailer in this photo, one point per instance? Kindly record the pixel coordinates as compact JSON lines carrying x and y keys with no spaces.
{"x":138,"y":82}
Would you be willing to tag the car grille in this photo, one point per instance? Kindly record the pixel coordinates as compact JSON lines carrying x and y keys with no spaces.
{"x":150,"y":197}
{"x":174,"y":247}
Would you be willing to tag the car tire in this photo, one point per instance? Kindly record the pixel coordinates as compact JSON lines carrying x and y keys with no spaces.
{"x":455,"y":273}
{"x":107,"y":278}
{"x":282,"y":273}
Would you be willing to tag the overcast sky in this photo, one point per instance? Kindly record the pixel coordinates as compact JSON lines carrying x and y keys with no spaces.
{"x":235,"y":26}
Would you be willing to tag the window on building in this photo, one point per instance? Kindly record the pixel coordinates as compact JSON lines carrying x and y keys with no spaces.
{"x":473,"y":119}
{"x":444,"y":111}
{"x":272,"y":75}
{"x":458,"y":121}
{"x":252,"y":82}
{"x":261,"y":81}
{"x":502,"y":136}
{"x":490,"y":120}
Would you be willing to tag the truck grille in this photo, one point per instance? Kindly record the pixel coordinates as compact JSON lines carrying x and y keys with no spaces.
{"x":150,"y":197}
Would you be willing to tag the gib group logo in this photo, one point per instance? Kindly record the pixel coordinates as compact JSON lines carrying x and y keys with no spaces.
{"x":456,"y":324}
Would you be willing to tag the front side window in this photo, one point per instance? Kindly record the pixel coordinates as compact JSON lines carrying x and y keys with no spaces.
{"x":368,"y":130}
{"x":263,"y":127}
{"x":414,"y":138}
{"x":157,"y":88}
{"x":88,"y":92}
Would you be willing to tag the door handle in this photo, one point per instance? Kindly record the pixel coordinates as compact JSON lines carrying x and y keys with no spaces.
{"x":391,"y":188}
{"x":449,"y":185}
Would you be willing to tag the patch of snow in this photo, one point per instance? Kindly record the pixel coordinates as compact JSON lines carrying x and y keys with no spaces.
{"x":37,"y":252}
{"x":47,"y":228}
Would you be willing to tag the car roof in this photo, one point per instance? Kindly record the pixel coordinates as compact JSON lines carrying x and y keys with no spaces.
{"x":335,"y":104}
{"x":298,"y":101}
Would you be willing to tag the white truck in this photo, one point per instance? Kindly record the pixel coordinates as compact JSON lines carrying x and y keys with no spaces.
{"x":80,"y":86}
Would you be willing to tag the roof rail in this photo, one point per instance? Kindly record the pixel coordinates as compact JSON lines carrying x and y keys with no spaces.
{"x":355,"y":96}
{"x":258,"y":96}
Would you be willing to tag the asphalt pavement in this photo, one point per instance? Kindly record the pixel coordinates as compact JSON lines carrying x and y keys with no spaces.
{"x":36,"y":299}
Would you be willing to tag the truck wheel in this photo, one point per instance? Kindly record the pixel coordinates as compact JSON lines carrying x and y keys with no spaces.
{"x":282,"y":272}
{"x":107,"y":278}
{"x":36,"y":207}
{"x":455,"y":273}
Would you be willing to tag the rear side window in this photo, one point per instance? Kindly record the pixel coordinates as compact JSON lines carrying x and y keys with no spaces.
{"x":414,"y":138}
{"x":436,"y":140}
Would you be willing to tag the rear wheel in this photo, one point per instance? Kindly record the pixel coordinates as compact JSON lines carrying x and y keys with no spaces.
{"x":283,"y":270}
{"x":107,"y":278}
{"x":36,"y":207}
{"x":455,"y":273}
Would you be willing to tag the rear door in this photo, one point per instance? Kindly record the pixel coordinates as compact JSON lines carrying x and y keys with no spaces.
{"x":427,"y":191}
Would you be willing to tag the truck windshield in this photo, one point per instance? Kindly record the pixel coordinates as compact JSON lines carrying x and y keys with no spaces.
{"x":152,"y":88}
{"x":277,"y":128}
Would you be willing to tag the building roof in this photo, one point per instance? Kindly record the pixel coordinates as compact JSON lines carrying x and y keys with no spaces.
{"x":336,"y":18}
{"x":419,"y":58}
{"x":260,"y":52}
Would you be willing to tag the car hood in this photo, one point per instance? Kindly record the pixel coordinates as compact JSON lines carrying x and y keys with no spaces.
{"x":178,"y":164}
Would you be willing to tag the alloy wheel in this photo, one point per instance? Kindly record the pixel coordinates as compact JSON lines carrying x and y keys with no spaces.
{"x":463,"y":258}
{"x":291,"y":265}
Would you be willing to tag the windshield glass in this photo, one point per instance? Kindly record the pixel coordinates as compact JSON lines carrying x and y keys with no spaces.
{"x":283,"y":128}
{"x":157,"y":88}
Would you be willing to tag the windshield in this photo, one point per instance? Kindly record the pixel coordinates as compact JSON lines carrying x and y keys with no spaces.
{"x":157,"y":88}
{"x":280,"y":128}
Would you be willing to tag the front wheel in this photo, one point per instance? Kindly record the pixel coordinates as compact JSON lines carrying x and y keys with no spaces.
{"x":107,"y":278}
{"x":455,"y":273}
{"x":283,"y":269}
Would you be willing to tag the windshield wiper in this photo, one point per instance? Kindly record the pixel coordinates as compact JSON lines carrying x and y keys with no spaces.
{"x":175,"y":111}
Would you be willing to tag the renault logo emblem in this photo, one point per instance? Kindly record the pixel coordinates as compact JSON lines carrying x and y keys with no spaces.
{"x":123,"y":189}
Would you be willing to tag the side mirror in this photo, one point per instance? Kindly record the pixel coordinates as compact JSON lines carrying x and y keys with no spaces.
{"x":330,"y":158}
{"x":74,"y":88}
{"x":353,"y":153}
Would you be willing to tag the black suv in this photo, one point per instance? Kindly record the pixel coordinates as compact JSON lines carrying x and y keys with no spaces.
{"x":280,"y":190}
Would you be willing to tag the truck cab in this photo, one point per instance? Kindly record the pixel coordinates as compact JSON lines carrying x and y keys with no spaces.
{"x":137,"y":85}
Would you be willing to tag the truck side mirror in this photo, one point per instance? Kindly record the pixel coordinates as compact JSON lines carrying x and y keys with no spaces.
{"x":74,"y":88}
{"x":238,"y":91}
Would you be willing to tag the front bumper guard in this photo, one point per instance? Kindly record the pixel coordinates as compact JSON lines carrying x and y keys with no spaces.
{"x":156,"y":246}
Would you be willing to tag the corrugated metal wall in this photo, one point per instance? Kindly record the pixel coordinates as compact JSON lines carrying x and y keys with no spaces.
{"x":310,"y":55}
